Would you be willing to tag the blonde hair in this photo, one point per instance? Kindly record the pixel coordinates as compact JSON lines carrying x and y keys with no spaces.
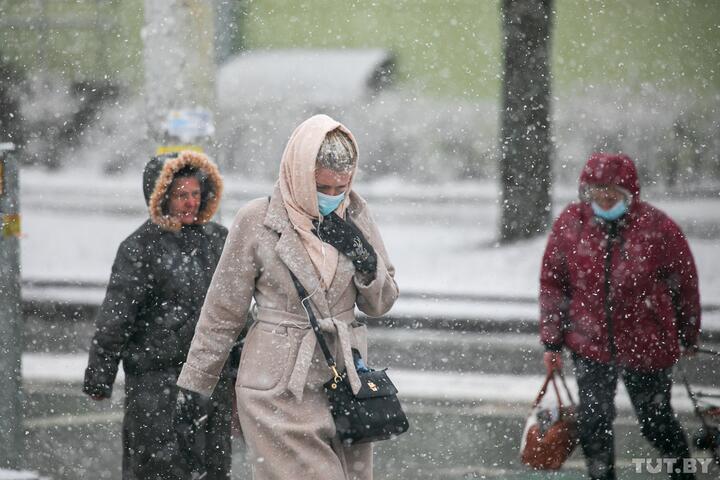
{"x":337,"y":152}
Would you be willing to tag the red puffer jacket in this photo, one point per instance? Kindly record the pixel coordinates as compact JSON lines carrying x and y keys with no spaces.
{"x":626,"y":289}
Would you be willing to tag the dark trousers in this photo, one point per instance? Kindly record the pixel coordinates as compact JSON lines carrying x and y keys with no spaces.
{"x":150,"y":446}
{"x":650,"y":396}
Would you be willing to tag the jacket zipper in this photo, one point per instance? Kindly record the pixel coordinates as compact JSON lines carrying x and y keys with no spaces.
{"x":611,"y":237}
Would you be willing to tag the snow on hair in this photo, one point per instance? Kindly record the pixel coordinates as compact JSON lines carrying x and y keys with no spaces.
{"x":337,"y":152}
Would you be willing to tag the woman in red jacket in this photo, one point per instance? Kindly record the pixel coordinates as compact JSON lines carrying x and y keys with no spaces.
{"x":619,"y":289}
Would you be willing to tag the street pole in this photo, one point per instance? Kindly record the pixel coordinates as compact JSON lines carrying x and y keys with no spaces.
{"x":526,"y":142}
{"x":11,"y":438}
{"x":179,"y":55}
{"x":229,"y":40}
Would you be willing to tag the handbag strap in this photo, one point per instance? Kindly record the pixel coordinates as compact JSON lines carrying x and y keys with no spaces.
{"x":551,"y":378}
{"x":564,"y":384}
{"x":305,"y":301}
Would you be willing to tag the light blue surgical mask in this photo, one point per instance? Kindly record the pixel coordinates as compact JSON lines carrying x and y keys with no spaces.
{"x":328,"y":203}
{"x":617,"y":211}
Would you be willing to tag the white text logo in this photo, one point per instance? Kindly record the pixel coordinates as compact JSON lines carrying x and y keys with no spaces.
{"x":670,"y":465}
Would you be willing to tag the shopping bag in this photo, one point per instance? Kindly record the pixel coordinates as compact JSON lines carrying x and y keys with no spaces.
{"x":550,"y":434}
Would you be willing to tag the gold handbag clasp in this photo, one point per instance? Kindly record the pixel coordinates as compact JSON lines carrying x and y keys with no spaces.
{"x":337,"y":378}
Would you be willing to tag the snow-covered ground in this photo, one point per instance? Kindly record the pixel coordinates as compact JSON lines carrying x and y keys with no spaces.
{"x":17,"y":475}
{"x":440,"y":238}
{"x":442,"y":241}
{"x":492,"y":391}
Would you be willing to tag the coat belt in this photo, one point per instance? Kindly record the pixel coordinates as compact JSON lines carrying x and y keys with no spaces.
{"x":338,"y":323}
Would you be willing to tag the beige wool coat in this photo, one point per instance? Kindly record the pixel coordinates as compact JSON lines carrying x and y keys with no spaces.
{"x":283,"y":410}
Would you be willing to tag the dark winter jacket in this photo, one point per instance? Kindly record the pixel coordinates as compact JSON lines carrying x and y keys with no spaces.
{"x":624,"y":290}
{"x":158,"y":283}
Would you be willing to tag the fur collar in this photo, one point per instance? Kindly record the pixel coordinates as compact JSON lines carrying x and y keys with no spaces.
{"x":164,"y":180}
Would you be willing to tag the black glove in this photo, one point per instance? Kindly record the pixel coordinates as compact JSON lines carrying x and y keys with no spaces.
{"x":189,"y":422}
{"x":348,"y":240}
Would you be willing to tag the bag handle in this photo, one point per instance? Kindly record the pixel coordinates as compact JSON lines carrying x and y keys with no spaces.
{"x":305,"y":301}
{"x":564,"y":384}
{"x":551,"y":378}
{"x":543,"y":390}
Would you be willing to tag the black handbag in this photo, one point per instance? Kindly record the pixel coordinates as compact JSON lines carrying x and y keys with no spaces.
{"x":375,"y":412}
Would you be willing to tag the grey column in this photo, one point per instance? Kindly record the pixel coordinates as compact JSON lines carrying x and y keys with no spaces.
{"x":11,"y":438}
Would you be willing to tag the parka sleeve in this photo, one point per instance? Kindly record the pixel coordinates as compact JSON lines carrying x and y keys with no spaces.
{"x":224,"y":312}
{"x":682,"y":279}
{"x":116,"y":318}
{"x":377,"y":296}
{"x":554,"y":288}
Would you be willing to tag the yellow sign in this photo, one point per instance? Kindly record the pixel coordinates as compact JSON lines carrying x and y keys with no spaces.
{"x":177,"y":148}
{"x":11,"y":225}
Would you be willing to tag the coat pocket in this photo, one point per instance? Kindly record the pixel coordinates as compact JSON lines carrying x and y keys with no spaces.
{"x":264,"y":358}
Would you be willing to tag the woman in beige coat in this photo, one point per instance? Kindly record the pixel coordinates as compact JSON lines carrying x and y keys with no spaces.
{"x":283,"y":410}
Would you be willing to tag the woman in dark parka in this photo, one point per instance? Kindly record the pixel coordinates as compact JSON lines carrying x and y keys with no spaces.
{"x":157,"y":287}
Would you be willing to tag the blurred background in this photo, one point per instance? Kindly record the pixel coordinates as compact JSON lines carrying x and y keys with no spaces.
{"x":418,"y":81}
{"x":426,"y":86}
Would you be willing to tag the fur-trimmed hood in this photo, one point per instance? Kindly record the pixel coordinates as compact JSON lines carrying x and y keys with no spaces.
{"x":158,"y":176}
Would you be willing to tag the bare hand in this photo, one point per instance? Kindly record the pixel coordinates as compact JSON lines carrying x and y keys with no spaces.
{"x":552,"y":361}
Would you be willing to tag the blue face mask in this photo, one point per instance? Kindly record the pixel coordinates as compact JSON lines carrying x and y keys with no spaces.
{"x":328,"y":203}
{"x":614,"y":213}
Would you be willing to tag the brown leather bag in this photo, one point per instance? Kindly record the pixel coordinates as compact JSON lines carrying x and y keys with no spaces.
{"x":550,"y":435}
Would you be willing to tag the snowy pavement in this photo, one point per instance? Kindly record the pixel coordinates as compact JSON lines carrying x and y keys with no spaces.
{"x":493,"y":392}
{"x":18,"y":475}
{"x":413,"y":308}
{"x":467,"y":390}
{"x":440,"y":238}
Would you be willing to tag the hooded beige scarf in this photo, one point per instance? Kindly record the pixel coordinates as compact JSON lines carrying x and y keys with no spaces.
{"x":298,"y":189}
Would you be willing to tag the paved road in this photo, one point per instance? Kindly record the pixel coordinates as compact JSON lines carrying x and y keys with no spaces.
{"x":71,"y":437}
{"x":466,"y":379}
{"x":466,"y":393}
